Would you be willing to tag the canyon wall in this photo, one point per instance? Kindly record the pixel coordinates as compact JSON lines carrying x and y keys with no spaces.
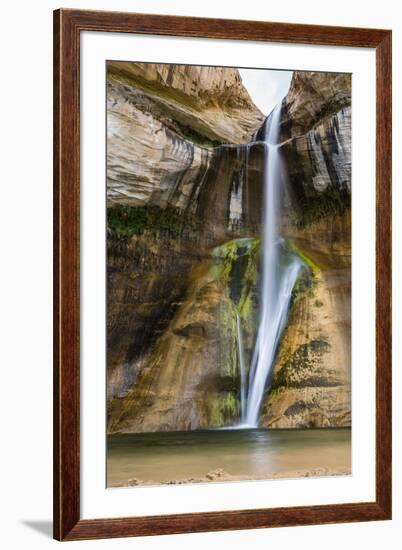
{"x":184,"y":189}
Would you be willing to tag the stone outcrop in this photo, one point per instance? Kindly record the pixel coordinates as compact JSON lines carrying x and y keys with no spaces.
{"x":162,"y":121}
{"x":145,"y":158}
{"x":185,"y":195}
{"x":312,"y":98}
{"x":199,"y":102}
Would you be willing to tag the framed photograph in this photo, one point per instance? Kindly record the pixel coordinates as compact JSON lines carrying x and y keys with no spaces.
{"x":222,"y":274}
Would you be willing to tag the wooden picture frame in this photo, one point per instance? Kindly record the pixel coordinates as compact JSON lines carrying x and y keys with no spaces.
{"x":68,"y":24}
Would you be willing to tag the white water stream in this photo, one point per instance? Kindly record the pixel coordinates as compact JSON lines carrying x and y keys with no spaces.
{"x":276,"y":286}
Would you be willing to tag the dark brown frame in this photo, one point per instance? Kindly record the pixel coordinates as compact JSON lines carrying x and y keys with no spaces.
{"x":68,"y":25}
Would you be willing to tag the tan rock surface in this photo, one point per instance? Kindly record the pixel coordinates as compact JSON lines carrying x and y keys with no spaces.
{"x":311,"y":384}
{"x":312,"y":97}
{"x":210,"y":100}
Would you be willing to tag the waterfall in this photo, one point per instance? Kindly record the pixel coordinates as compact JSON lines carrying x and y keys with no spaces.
{"x":277,"y":280}
{"x":242,"y":368}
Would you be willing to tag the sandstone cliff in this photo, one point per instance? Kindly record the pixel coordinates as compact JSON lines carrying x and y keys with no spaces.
{"x":162,"y":121}
{"x":183,"y":248}
{"x":208,"y":103}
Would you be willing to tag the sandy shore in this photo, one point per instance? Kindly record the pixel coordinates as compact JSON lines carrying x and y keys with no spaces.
{"x":220,"y":475}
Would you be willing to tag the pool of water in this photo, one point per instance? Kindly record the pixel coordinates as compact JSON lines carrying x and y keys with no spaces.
{"x":242,"y":454}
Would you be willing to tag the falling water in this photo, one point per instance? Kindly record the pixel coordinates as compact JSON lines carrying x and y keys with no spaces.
{"x":277,"y":281}
{"x":242,"y":368}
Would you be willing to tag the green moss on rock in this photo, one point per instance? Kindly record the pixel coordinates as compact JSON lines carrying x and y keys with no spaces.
{"x":236,"y":263}
{"x":222,"y":410}
{"x":124,"y":221}
{"x":294,"y":249}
